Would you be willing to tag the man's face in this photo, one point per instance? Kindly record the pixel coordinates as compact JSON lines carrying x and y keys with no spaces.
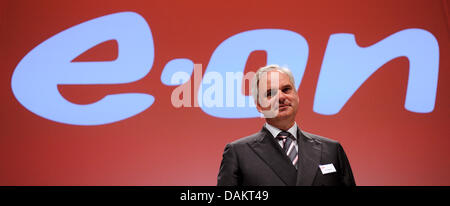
{"x":278,"y":98}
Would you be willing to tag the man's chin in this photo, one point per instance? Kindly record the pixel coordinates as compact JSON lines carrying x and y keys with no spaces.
{"x":279,"y":114}
{"x":269,"y":114}
{"x":283,"y":114}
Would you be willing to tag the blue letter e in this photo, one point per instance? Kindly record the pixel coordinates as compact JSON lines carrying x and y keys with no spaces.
{"x":35,"y":79}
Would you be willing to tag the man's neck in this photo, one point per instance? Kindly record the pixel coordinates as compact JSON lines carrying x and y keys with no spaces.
{"x":283,"y":125}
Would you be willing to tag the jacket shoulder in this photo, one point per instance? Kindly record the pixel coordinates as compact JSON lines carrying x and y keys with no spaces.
{"x":247,"y":139}
{"x":319,"y":138}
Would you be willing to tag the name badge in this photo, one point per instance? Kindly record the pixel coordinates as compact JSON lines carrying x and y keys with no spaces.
{"x":328,"y":168}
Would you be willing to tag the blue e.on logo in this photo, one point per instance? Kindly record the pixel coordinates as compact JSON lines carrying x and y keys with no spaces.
{"x":345,"y":67}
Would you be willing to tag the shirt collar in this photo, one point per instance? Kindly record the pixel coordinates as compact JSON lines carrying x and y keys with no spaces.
{"x":275,"y":131}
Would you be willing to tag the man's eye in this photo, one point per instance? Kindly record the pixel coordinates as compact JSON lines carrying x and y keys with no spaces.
{"x":285,"y":90}
{"x":271,"y":93}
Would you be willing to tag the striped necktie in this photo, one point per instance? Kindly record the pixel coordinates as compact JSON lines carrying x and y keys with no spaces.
{"x":288,"y":146}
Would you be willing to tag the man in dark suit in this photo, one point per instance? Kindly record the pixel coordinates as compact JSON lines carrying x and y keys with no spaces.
{"x":282,"y":154}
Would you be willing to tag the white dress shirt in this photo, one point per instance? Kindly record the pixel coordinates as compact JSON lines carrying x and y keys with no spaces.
{"x":275,"y":131}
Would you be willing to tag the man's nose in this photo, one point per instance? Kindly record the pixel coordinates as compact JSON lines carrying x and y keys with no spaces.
{"x":281,"y":96}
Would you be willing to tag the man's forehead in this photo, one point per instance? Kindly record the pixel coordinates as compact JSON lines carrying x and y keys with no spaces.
{"x":274,"y":76}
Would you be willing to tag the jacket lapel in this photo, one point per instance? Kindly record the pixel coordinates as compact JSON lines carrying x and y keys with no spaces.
{"x":309,"y":154}
{"x":272,"y":154}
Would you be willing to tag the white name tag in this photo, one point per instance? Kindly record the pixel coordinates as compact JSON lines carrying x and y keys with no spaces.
{"x":328,"y":168}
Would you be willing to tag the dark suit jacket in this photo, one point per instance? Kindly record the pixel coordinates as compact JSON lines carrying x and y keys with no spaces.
{"x":259,"y":160}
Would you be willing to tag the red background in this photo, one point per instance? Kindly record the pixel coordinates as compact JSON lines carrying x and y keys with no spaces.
{"x":385,"y":143}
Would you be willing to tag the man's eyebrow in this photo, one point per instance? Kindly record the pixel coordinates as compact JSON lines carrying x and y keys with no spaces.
{"x":286,"y":86}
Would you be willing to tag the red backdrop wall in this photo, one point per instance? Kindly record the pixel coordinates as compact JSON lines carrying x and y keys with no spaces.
{"x":163,"y":145}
